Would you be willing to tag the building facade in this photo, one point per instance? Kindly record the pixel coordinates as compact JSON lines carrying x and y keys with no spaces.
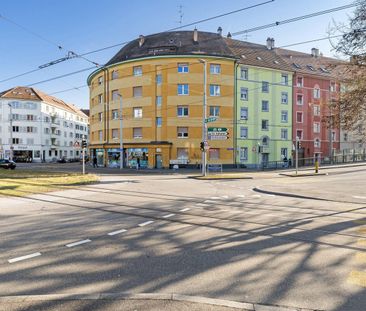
{"x":158,"y":83}
{"x":37,"y":127}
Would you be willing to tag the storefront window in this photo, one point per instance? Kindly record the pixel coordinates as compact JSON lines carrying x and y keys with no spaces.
{"x":113,"y":158}
{"x":100,"y":157}
{"x":137,"y":155}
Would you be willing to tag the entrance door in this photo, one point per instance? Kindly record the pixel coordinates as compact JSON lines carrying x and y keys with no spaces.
{"x":264,"y":159}
{"x":158,"y":161}
{"x":44,"y":156}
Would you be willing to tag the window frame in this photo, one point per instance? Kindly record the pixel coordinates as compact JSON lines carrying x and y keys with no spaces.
{"x":183,"y":89}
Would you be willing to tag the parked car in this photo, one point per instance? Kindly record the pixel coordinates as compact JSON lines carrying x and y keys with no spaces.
{"x":4,"y":163}
{"x":61,"y":160}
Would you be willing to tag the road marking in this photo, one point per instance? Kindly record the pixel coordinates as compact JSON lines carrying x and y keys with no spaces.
{"x":225,"y":196}
{"x":146,"y":223}
{"x":240,"y":195}
{"x":271,"y":195}
{"x":357,"y":278}
{"x":210,"y":201}
{"x":358,"y":197}
{"x":185,"y":209}
{"x":117,"y":232}
{"x":24,"y":257}
{"x":215,"y":198}
{"x":78,"y":243}
{"x":169,"y":215}
{"x":202,"y":205}
{"x":256,"y":196}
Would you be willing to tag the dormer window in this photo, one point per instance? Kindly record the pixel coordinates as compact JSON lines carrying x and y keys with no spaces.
{"x":310,"y":67}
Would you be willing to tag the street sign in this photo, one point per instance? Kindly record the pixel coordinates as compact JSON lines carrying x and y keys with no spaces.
{"x":76,"y":144}
{"x":217,"y":137}
{"x":211,"y":119}
{"x":217,"y":129}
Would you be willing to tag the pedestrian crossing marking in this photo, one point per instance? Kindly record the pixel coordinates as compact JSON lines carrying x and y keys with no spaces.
{"x":357,"y":278}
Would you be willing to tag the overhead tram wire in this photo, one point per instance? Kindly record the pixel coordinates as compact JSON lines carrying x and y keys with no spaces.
{"x":119,"y":44}
{"x":296,"y":19}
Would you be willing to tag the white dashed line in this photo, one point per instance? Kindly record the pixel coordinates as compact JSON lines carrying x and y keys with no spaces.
{"x":185,"y":209}
{"x":256,"y":196}
{"x":273,"y":195}
{"x":225,"y":196}
{"x":169,"y":215}
{"x":24,"y":257}
{"x":358,"y":197}
{"x":215,"y":198}
{"x":117,"y":232}
{"x":146,"y":223}
{"x":78,"y":243}
{"x":241,"y":196}
{"x":202,"y":205}
{"x":210,"y":202}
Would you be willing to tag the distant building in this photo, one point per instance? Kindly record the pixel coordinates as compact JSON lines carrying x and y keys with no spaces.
{"x":38,"y":127}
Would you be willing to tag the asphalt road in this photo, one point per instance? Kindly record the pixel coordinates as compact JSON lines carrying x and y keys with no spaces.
{"x":173,"y":234}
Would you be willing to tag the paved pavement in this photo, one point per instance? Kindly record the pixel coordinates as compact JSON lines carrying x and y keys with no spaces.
{"x":167,"y":234}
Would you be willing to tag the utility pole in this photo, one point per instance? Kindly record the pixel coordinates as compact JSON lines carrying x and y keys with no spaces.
{"x":204,"y":117}
{"x":330,"y":137}
{"x":11,"y":132}
{"x":297,"y":153}
{"x":121,"y":157}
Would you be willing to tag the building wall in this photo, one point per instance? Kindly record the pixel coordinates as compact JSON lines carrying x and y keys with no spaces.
{"x":45,"y":132}
{"x":254,"y":140}
{"x":161,"y":140}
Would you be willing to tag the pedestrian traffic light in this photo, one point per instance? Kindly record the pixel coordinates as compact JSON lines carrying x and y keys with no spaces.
{"x":299,"y":144}
{"x":202,"y":146}
{"x":83,"y":143}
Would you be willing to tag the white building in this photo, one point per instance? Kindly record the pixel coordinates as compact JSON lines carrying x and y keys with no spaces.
{"x":39,"y":127}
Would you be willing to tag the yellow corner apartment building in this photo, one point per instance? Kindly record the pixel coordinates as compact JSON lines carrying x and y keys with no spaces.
{"x":155,"y":85}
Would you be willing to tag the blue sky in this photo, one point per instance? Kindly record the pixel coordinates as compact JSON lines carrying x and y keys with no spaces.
{"x":85,"y":25}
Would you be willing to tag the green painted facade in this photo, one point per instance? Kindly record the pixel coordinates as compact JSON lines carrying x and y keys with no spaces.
{"x":257,"y":128}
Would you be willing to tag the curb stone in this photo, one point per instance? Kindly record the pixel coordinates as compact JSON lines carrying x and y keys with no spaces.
{"x":244,"y":306}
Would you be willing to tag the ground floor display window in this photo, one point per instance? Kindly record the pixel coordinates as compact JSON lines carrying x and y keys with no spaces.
{"x":100,"y":156}
{"x":137,"y":156}
{"x":113,"y":158}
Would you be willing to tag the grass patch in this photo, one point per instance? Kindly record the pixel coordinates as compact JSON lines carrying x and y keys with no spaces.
{"x":26,"y":182}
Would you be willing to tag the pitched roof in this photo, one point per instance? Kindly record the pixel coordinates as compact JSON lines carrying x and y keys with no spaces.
{"x":29,"y":93}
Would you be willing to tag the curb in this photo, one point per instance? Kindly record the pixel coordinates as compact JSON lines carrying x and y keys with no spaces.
{"x":217,"y":178}
{"x":284,"y":194}
{"x":304,"y":175}
{"x":244,"y":306}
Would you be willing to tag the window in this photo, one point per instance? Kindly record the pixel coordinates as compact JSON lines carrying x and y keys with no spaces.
{"x":244,"y":73}
{"x":284,"y":116}
{"x":316,"y":127}
{"x":316,"y":93}
{"x":114,"y":114}
{"x":115,"y":133}
{"x":243,"y":113}
{"x":182,"y":111}
{"x":16,"y":141}
{"x":15,"y":128}
{"x":114,"y":74}
{"x":265,"y":87}
{"x":244,"y":93}
{"x":284,"y":98}
{"x":100,"y":98}
{"x":183,"y":68}
{"x":345,"y":137}
{"x":214,"y":153}
{"x":100,"y":116}
{"x":183,"y":89}
{"x":100,"y":80}
{"x":243,"y":153}
{"x":332,"y":87}
{"x":243,"y":132}
{"x":137,"y":70}
{"x":214,"y":90}
{"x":284,"y":153}
{"x":182,"y":132}
{"x":334,"y":137}
{"x":137,"y":91}
{"x":265,"y":105}
{"x":299,"y":117}
{"x":299,"y":81}
{"x":137,"y":132}
{"x":214,"y":111}
{"x":265,"y":141}
{"x":299,"y":134}
{"x":317,"y":143}
{"x":284,"y":79}
{"x":158,"y":121}
{"x":284,"y":134}
{"x":265,"y":125}
{"x":316,"y":110}
{"x":215,"y":69}
{"x":137,"y":112}
{"x":30,"y":117}
{"x":182,"y":154}
{"x":159,"y":79}
{"x":31,"y":129}
{"x":115,"y":95}
{"x":46,"y":130}
{"x":100,"y":134}
{"x":158,"y":101}
{"x":299,"y":99}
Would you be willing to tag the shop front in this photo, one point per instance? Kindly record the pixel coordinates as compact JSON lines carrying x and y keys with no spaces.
{"x":99,"y":153}
{"x":138,"y":156}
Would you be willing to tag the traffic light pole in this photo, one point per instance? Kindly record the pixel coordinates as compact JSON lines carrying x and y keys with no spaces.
{"x":204,"y":117}
{"x":83,"y":161}
{"x":297,"y":154}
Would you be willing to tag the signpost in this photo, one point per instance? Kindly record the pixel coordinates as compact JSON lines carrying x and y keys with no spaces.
{"x":217,"y":133}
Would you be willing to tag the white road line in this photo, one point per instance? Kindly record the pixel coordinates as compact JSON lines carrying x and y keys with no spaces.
{"x":240,"y":195}
{"x":273,"y":195}
{"x":210,"y":202}
{"x":256,"y":196}
{"x":78,"y":243}
{"x":185,"y":209}
{"x":358,"y":197}
{"x":24,"y":257}
{"x":225,"y":196}
{"x":169,"y":215}
{"x":215,"y":198}
{"x":117,"y":232}
{"x":146,"y":223}
{"x":202,"y":205}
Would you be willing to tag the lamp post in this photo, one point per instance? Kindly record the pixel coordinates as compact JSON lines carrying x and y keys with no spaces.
{"x":204,"y":117}
{"x":11,"y":131}
{"x":121,"y":157}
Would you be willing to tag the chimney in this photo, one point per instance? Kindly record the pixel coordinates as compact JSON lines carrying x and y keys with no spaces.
{"x":219,"y":31}
{"x":315,"y":52}
{"x":270,"y":43}
{"x":141,"y":40}
{"x":229,"y":35}
{"x":195,"y":35}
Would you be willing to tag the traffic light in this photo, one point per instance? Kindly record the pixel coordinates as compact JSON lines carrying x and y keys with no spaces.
{"x":83,"y":144}
{"x":202,"y":146}
{"x":299,"y":144}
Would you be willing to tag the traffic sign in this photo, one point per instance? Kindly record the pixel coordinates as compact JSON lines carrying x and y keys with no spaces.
{"x":76,"y":144}
{"x":217,"y":129}
{"x":210,"y":119}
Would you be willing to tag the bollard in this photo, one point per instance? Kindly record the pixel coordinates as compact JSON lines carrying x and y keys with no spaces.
{"x":316,"y":166}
